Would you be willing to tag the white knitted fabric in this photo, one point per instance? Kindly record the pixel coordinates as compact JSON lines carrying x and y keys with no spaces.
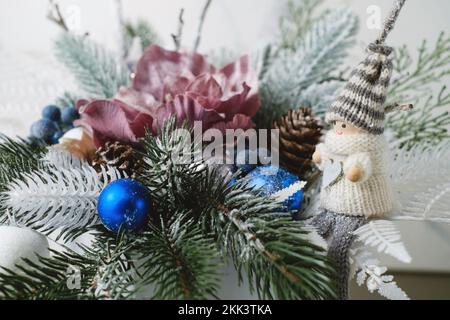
{"x":372,"y":195}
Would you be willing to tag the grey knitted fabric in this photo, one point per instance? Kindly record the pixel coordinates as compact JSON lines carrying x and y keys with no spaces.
{"x":337,"y":229}
{"x":361,"y":102}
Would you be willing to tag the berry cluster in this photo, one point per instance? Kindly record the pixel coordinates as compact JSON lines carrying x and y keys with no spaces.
{"x":54,"y":123}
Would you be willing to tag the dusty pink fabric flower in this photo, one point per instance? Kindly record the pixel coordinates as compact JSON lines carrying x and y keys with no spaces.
{"x":170,"y":83}
{"x":113,"y":120}
{"x":187,"y":86}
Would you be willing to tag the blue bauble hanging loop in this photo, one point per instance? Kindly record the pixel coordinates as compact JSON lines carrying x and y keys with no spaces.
{"x":124,"y":203}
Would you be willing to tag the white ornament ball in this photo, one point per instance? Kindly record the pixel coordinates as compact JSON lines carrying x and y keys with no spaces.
{"x":17,"y":243}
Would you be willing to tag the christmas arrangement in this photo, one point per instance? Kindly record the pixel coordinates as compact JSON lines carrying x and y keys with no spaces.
{"x":95,"y":204}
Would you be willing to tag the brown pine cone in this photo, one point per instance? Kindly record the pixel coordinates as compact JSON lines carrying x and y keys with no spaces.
{"x":121,"y":156}
{"x":300,"y":132}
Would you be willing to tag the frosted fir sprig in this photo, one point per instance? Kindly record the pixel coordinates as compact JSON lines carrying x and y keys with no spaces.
{"x":58,"y":198}
{"x":368,"y":272}
{"x":422,"y":183}
{"x":385,"y":237}
{"x":315,"y":57}
{"x":99,"y":73}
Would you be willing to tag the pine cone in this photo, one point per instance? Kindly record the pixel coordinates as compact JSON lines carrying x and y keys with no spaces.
{"x":300,"y":132}
{"x":120,"y":156}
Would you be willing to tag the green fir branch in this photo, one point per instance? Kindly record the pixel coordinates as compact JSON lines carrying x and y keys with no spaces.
{"x":299,"y":17}
{"x":141,"y":30}
{"x":105,"y":270}
{"x":67,"y":99}
{"x":179,"y":260}
{"x":427,"y":124}
{"x":18,"y":157}
{"x":315,"y":58}
{"x":98,"y":72}
{"x":275,"y":251}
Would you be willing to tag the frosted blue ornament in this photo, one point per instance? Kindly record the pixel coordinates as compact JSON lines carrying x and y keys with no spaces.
{"x":269,"y":179}
{"x":126,"y":203}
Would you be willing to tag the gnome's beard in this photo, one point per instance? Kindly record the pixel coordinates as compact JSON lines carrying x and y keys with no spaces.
{"x":346,"y":144}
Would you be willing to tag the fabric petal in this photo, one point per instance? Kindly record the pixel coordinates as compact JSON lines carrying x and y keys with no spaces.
{"x":113,"y":120}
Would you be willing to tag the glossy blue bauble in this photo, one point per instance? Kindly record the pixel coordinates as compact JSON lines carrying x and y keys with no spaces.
{"x":126,"y":203}
{"x":69,"y":115}
{"x":44,"y":129}
{"x":52,"y":113}
{"x":268,"y":180}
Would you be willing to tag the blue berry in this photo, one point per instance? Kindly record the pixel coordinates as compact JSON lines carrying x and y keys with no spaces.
{"x":56,"y":136}
{"x":51,"y":112}
{"x":69,"y":115}
{"x":43,"y":129}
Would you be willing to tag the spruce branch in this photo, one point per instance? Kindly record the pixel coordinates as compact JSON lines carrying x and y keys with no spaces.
{"x":297,"y":21}
{"x":67,"y":99}
{"x":274,"y":251}
{"x":179,"y":260}
{"x":97,"y":71}
{"x":18,"y":157}
{"x":105,"y":270}
{"x":142,"y":30}
{"x":427,"y":124}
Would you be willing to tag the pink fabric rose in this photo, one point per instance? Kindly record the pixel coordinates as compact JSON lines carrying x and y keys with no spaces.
{"x":187,"y":86}
{"x":171,"y":83}
{"x":113,"y":120}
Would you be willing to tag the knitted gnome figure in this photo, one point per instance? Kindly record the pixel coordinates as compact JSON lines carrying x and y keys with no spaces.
{"x":353,"y":157}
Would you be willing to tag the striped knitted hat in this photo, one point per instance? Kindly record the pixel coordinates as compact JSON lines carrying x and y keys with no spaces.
{"x":362,"y":100}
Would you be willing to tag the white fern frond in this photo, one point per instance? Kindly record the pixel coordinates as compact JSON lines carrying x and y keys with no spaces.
{"x":318,"y":54}
{"x":369,"y":272}
{"x":64,"y":199}
{"x":385,"y":237}
{"x":62,"y":159}
{"x":319,"y":96}
{"x":422,"y":183}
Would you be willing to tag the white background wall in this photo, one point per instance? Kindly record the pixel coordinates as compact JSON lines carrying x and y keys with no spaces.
{"x":237,"y":24}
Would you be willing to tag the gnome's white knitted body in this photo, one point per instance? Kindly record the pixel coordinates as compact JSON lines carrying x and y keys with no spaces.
{"x":371,"y":196}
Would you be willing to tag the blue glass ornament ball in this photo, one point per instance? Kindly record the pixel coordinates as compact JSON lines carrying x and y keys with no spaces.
{"x":124,"y":202}
{"x":269,"y":179}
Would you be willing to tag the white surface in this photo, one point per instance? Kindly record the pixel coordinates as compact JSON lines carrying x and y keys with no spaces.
{"x":30,"y":78}
{"x":17,"y":243}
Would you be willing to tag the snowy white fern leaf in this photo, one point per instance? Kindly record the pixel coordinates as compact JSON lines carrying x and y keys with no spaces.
{"x":62,"y":159}
{"x":319,"y":96}
{"x":385,"y":237}
{"x":320,"y":51}
{"x":368,"y":272}
{"x":422,"y":183}
{"x":64,"y":199}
